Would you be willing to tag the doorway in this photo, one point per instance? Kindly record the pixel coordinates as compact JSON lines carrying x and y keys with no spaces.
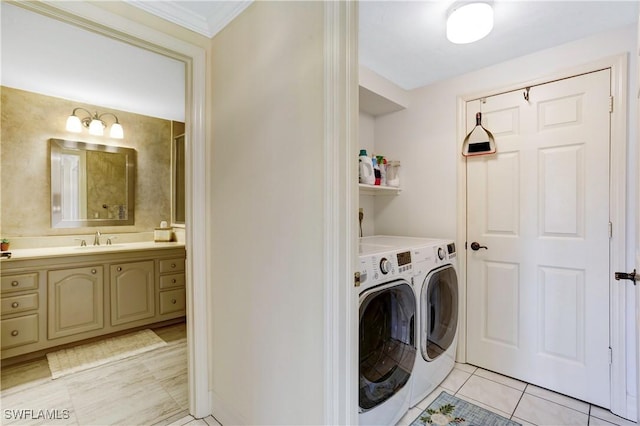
{"x":502,"y":207}
{"x":540,"y":210}
{"x":103,"y":22}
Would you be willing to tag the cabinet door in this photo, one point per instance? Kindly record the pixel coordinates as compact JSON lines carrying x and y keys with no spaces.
{"x":75,"y":301}
{"x":132,"y":292}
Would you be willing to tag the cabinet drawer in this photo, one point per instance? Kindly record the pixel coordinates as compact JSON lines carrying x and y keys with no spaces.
{"x":171,"y":265}
{"x":172,"y":280}
{"x":172,"y":301}
{"x":20,"y":282}
{"x":24,"y":302}
{"x":19,"y":331}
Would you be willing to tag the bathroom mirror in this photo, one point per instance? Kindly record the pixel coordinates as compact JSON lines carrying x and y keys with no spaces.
{"x":91,"y":185}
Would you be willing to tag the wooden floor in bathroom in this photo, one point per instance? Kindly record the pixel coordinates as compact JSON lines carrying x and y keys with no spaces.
{"x":146,"y":389}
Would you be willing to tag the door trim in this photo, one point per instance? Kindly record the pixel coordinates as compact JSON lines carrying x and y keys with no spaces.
{"x":340,"y":211}
{"x":617,"y":213}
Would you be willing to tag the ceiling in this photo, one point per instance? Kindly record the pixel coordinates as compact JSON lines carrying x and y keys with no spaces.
{"x":401,"y":40}
{"x":404,"y":41}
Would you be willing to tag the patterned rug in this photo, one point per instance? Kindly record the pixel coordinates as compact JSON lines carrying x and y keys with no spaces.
{"x":84,"y":357}
{"x":449,"y":410}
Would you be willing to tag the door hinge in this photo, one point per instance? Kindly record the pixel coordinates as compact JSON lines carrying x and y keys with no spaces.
{"x":610,"y":103}
{"x":356,"y":279}
{"x":610,"y":356}
{"x":610,"y":230}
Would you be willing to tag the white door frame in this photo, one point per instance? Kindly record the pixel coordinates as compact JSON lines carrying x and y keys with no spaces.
{"x":340,"y":210}
{"x":98,"y":20}
{"x":618,"y":65}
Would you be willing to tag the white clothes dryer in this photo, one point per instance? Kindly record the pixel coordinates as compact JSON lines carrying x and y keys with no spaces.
{"x":436,"y":285}
{"x":387,"y":348}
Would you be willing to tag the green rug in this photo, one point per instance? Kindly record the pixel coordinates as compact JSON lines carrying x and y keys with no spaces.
{"x":449,"y":410}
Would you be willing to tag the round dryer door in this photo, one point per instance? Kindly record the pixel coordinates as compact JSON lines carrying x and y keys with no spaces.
{"x":387,"y":347}
{"x":439,"y":312}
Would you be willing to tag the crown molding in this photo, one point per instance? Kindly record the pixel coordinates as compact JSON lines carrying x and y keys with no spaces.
{"x":217,"y":17}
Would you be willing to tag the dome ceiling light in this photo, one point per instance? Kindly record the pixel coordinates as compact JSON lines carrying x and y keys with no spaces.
{"x":469,"y":22}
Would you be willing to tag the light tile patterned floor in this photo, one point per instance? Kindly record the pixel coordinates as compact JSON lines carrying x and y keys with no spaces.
{"x":516,"y":400}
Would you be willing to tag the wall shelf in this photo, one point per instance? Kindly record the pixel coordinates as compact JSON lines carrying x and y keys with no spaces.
{"x":378,"y":190}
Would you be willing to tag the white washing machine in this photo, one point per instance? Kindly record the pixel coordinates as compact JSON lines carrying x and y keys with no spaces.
{"x":387,"y":345}
{"x":436,"y":285}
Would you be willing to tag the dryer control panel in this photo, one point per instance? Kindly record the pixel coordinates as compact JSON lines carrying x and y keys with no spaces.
{"x":430,"y":257}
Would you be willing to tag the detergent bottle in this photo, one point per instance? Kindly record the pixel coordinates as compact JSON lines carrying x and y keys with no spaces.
{"x":366,"y":168}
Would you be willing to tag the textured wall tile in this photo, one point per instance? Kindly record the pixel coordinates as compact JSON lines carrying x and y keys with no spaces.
{"x":29,"y":120}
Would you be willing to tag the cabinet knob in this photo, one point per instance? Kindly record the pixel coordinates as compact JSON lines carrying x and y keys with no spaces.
{"x":14,"y":283}
{"x":174,"y":281}
{"x":93,"y":271}
{"x":119,"y":268}
{"x":15,"y":304}
{"x":174,"y":301}
{"x":14,"y":333}
{"x":173,"y":265}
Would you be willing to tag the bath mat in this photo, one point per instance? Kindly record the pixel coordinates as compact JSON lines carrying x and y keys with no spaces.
{"x":84,"y":357}
{"x":449,"y":410}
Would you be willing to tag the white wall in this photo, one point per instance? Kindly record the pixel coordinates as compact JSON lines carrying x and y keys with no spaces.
{"x":267,"y":236}
{"x":424,"y":138}
{"x":46,"y":56}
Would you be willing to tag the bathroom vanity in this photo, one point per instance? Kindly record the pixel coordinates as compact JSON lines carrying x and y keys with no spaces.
{"x":57,"y":296}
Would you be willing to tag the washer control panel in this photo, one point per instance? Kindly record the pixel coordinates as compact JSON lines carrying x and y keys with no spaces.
{"x":385,"y":266}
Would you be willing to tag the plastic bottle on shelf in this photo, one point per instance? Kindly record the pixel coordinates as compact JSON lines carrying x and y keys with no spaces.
{"x":376,"y":170}
{"x":382,"y":164}
{"x":393,"y":173}
{"x":365,"y":168}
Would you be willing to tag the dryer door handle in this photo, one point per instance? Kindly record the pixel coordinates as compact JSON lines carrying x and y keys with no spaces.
{"x":475,"y":246}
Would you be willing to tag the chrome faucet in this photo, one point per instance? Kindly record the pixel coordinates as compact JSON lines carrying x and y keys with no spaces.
{"x":96,"y":239}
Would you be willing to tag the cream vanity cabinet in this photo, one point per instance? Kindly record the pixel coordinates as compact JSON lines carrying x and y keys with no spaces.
{"x":21,"y":304}
{"x":132,"y":292}
{"x":172,"y":286}
{"x":74,"y":301}
{"x":58,"y":299}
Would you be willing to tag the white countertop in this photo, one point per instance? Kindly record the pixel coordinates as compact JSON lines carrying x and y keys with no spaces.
{"x":47,"y":252}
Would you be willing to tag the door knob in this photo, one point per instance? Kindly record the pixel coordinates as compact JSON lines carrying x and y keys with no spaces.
{"x":476,"y":246}
{"x":626,"y":276}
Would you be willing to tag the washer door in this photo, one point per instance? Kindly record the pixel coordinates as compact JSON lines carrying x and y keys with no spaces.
{"x":387,"y":347}
{"x":439,"y":312}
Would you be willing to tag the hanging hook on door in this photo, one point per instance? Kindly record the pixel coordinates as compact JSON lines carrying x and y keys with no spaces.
{"x":526,"y":93}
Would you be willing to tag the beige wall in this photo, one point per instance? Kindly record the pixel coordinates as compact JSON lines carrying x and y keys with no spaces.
{"x":267,"y":222}
{"x":29,"y":120}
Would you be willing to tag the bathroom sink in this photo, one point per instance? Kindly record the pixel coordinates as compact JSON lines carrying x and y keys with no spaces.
{"x":100,"y":247}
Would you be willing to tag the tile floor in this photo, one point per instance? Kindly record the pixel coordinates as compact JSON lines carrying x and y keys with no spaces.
{"x":522,"y":402}
{"x":151,"y":389}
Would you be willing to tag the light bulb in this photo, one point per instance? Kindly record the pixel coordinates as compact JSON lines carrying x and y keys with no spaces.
{"x":469,"y":23}
{"x":96,"y":127}
{"x":74,"y":124}
{"x":116,"y":131}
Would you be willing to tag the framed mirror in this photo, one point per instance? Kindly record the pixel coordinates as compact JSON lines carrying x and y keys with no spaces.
{"x":178,"y":182}
{"x":91,"y":185}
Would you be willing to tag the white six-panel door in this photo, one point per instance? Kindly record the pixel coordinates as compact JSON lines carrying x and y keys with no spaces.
{"x":538,"y":294}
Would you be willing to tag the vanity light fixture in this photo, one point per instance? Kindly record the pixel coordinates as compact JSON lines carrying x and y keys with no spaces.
{"x":94,"y":123}
{"x":469,"y":22}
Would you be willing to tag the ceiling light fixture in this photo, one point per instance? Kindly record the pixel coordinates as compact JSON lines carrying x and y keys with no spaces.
{"x":94,"y":123}
{"x":469,"y":22}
